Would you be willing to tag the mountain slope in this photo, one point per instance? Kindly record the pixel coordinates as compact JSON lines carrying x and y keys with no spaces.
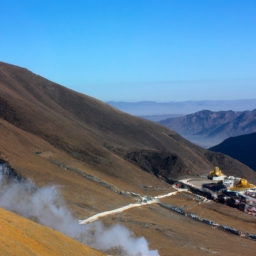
{"x":89,"y":130}
{"x":95,"y":154}
{"x":242,"y":148}
{"x":23,"y":237}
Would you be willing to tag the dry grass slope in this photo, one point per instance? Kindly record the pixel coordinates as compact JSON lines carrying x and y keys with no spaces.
{"x":20,"y":236}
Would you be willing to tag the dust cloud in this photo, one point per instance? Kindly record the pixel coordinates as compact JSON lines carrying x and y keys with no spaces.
{"x":46,"y":206}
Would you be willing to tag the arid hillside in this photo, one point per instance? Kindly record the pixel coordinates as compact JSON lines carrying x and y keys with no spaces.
{"x":95,"y":154}
{"x":20,"y":236}
{"x":93,"y":132}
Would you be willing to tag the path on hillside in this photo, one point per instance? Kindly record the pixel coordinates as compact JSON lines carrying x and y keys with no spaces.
{"x":142,"y":200}
{"x":146,"y":200}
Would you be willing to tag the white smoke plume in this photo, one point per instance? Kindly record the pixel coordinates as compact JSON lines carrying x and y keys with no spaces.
{"x":45,"y":206}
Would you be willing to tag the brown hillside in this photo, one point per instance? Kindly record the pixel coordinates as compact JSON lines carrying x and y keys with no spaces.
{"x":94,"y":153}
{"x":91,"y":131}
{"x":20,"y":236}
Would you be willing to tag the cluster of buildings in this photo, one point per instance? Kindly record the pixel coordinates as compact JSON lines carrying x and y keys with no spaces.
{"x":233,"y":191}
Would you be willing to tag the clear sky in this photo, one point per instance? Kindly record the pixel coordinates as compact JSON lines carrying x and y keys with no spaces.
{"x":132,"y":50}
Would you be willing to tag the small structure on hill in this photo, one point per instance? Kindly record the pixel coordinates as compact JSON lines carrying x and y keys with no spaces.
{"x":230,"y":181}
{"x":216,"y":174}
{"x":243,"y":184}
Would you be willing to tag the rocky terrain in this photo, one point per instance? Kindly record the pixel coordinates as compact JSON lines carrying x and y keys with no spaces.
{"x":96,"y":154}
{"x":242,"y":148}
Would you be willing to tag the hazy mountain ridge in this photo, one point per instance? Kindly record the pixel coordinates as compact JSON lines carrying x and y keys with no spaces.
{"x":150,"y":108}
{"x":241,"y":147}
{"x":208,"y":123}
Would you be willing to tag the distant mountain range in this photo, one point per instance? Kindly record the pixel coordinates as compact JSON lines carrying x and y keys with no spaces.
{"x":242,"y":148}
{"x":213,"y":126}
{"x":207,"y":123}
{"x":150,"y":108}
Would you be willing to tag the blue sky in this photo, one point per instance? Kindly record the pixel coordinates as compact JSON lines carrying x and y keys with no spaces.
{"x":132,"y":50}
